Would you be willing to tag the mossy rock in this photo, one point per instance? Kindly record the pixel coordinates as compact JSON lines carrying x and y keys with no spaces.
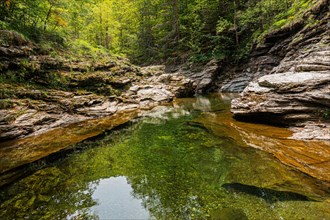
{"x":13,"y":38}
{"x":6,"y":104}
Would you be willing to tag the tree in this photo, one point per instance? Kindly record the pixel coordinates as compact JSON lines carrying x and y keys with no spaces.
{"x":153,"y":30}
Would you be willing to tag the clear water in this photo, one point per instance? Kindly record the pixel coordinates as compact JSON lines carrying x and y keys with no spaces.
{"x":107,"y":191}
{"x":169,"y":165}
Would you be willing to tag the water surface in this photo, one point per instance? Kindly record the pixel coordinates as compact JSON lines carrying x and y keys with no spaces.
{"x":188,"y":161}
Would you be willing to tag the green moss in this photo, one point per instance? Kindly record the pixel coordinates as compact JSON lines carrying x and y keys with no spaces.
{"x":6,"y":93}
{"x":297,"y":39}
{"x":280,"y":23}
{"x":12,"y":38}
{"x":6,"y":103}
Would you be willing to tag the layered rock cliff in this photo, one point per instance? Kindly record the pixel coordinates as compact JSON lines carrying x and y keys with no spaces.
{"x":287,"y":79}
{"x":39,"y":92}
{"x":279,"y":50}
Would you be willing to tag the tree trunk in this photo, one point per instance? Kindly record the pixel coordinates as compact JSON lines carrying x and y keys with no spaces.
{"x":261,"y":16}
{"x":101,"y":28}
{"x":176,"y":21}
{"x":235,"y":24}
{"x":107,"y":38}
{"x":287,"y":4}
{"x":47,"y":17}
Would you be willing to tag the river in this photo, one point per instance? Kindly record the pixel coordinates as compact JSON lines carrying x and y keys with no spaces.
{"x":190,"y":160}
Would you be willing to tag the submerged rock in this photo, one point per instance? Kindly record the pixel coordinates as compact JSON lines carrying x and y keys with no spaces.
{"x":309,"y":157}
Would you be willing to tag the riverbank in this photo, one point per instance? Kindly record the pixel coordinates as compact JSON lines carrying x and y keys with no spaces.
{"x":48,"y":103}
{"x":191,"y":154}
{"x":39,"y":92}
{"x":286,"y":79}
{"x":309,"y":157}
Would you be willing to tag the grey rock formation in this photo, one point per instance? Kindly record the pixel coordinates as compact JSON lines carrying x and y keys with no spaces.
{"x":284,"y":50}
{"x":236,"y":85}
{"x":34,"y":111}
{"x":293,"y":97}
{"x":291,"y":84}
{"x":205,"y":78}
{"x":297,"y":98}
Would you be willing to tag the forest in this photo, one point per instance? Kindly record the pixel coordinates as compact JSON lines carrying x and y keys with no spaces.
{"x":151,"y":31}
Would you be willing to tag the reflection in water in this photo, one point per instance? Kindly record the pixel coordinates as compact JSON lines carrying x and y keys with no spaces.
{"x":185,"y":162}
{"x":203,"y":104}
{"x":115,"y":201}
{"x":15,"y":153}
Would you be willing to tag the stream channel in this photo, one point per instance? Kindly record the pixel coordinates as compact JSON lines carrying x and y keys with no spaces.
{"x":190,"y":160}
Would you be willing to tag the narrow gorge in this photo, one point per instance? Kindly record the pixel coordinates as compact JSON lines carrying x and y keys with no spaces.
{"x":165,"y":110}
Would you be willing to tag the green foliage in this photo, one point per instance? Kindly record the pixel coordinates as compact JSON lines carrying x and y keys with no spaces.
{"x":223,"y":25}
{"x":3,"y":25}
{"x":6,"y":93}
{"x":294,"y":13}
{"x":199,"y":58}
{"x":150,"y":31}
{"x":82,"y":48}
{"x":280,"y":23}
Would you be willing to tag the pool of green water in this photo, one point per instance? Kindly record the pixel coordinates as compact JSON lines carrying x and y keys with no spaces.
{"x":168,"y":165}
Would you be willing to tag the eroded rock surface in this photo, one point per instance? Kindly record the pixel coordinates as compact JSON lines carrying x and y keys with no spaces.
{"x":33,"y":111}
{"x":40,"y":92}
{"x":203,"y":77}
{"x":283,"y":50}
{"x":300,"y":98}
{"x":292,"y":96}
{"x":290,"y":76}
